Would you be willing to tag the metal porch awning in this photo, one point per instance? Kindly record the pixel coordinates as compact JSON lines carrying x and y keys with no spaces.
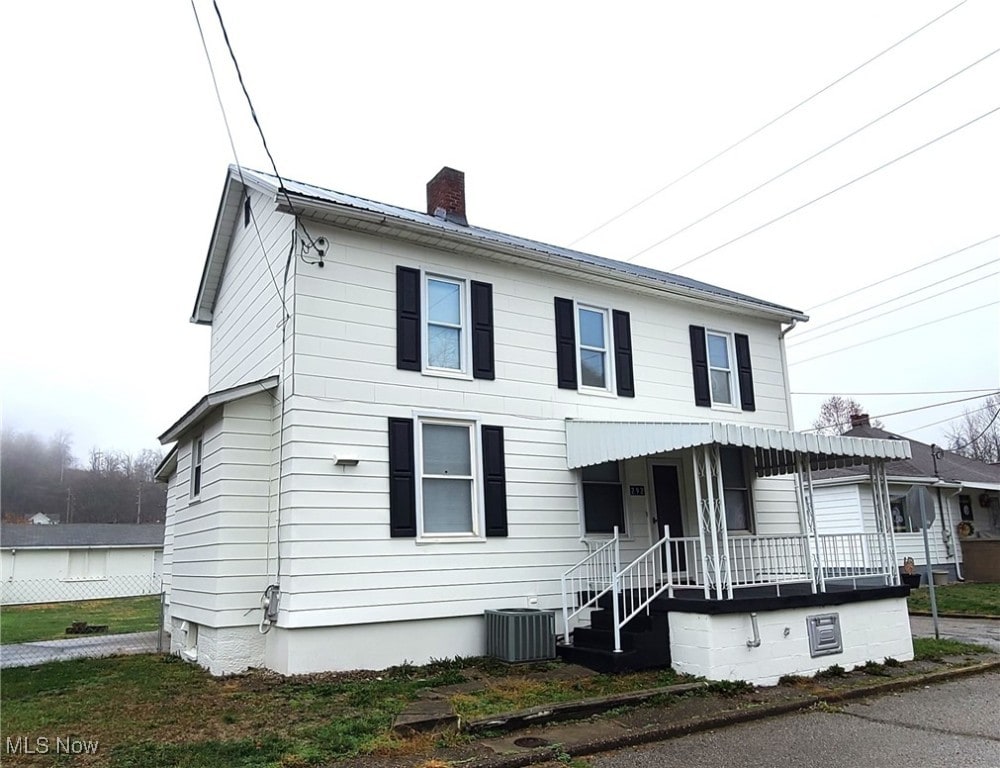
{"x":596,"y":442}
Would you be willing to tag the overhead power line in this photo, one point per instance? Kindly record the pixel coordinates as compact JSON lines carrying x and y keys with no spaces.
{"x":236,"y":157}
{"x":985,"y":430}
{"x":256,"y":121}
{"x":950,"y":418}
{"x":895,"y":333}
{"x":905,"y":410}
{"x":813,"y":156}
{"x":825,"y":195}
{"x":832,"y":331}
{"x":768,"y":124}
{"x":904,"y":272}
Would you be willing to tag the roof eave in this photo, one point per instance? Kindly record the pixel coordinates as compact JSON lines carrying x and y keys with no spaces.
{"x":167,"y":467}
{"x":210,"y":402}
{"x":301,"y":203}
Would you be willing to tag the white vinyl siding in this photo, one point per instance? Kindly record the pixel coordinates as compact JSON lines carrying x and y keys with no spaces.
{"x":339,"y":565}
{"x":246,"y":324}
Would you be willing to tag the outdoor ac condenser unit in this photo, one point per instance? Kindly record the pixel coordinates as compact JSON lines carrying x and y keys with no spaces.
{"x":520,"y":634}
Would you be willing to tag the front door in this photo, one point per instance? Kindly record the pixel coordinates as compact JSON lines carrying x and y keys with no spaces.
{"x":667,"y":501}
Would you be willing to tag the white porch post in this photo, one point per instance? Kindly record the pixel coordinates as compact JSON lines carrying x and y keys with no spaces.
{"x":811,"y":516}
{"x":700,"y":471}
{"x":892,"y":577}
{"x":722,"y":525}
{"x":805,"y":523}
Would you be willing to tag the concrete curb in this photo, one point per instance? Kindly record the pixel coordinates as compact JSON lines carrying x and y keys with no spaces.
{"x":572,"y":710}
{"x":734,"y":717}
{"x":928,"y":614}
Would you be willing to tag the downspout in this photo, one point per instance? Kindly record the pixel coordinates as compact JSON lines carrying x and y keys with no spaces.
{"x":784,"y":372}
{"x":956,"y":543}
{"x":755,"y":643}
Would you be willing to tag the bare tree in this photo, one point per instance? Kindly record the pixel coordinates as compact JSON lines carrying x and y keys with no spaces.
{"x":835,"y":415}
{"x":976,"y":434}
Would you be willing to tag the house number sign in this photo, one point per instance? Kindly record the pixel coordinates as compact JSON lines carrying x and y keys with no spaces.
{"x":637,"y":490}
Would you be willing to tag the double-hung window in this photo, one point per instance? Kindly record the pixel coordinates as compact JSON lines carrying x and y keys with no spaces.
{"x":723,"y":373}
{"x":196,"y":459}
{"x":593,"y":348}
{"x":603,"y":502}
{"x":720,"y":367}
{"x":592,"y":343}
{"x":444,"y":325}
{"x":736,"y":489}
{"x":447,"y":478}
{"x":446,"y":329}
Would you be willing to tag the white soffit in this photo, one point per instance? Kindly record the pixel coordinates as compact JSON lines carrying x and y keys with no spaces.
{"x":595,"y":442}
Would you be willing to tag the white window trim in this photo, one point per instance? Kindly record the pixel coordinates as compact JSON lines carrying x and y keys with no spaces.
{"x":734,"y":386}
{"x":197,"y":447}
{"x":623,"y":532}
{"x":478,"y":503}
{"x":609,"y":374}
{"x":465,"y":332}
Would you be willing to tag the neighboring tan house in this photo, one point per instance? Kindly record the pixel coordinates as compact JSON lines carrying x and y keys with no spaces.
{"x":412,"y":420}
{"x":79,"y":561}
{"x":962,"y":507}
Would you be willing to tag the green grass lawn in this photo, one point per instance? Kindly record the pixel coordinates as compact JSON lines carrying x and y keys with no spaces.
{"x":48,"y":621}
{"x":966,"y":598}
{"x":935,"y":649}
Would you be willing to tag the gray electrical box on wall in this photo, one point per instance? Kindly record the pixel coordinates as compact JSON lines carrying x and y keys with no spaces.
{"x":824,"y":634}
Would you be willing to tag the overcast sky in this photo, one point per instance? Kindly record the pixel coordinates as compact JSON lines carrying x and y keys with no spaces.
{"x":562,"y":115}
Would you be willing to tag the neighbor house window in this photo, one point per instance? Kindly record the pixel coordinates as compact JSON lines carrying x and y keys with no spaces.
{"x":86,"y":564}
{"x":720,"y":367}
{"x":906,"y":519}
{"x":196,"y":455}
{"x":446,"y":329}
{"x":447,"y":478}
{"x":603,"y":503}
{"x":592,"y":343}
{"x":736,"y":489}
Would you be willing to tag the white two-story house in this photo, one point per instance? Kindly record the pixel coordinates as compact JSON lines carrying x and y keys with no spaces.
{"x":411,"y":420}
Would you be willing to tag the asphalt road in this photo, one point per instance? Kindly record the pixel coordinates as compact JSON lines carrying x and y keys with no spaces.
{"x":982,"y":631}
{"x":952,"y":725}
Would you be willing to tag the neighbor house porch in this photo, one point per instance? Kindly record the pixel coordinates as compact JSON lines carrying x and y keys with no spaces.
{"x":731,"y":519}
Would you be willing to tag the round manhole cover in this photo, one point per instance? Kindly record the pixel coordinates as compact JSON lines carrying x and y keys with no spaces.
{"x":530,"y":742}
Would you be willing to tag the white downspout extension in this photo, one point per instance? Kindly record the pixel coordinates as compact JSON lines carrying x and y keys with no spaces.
{"x":755,"y":643}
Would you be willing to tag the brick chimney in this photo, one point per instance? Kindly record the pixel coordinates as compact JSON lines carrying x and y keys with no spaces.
{"x":446,"y":196}
{"x":860,"y":420}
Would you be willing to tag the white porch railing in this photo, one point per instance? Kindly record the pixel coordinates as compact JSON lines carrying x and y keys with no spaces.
{"x":678,"y":563}
{"x":589,"y":579}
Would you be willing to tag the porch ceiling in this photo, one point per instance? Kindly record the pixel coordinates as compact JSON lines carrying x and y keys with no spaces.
{"x":595,"y":442}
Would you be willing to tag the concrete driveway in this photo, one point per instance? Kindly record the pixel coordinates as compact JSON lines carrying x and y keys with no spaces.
{"x":30,"y":654}
{"x":983,"y":631}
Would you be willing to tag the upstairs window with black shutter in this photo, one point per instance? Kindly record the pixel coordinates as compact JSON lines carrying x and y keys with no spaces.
{"x":723,"y":374}
{"x":444,"y":325}
{"x":593,"y":348}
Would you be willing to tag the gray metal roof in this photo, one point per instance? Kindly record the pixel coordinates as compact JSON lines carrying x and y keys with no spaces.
{"x":81,"y":535}
{"x":951,"y":467}
{"x":301,"y":192}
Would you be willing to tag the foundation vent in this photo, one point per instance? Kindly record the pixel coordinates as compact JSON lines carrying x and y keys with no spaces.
{"x":520,"y":634}
{"x":824,"y":634}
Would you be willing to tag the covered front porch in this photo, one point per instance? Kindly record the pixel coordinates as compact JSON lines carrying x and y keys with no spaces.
{"x":731,"y":519}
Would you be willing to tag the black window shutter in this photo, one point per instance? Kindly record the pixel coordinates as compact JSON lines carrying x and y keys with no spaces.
{"x":565,"y":344}
{"x":699,"y":364}
{"x":482,"y":331}
{"x":494,"y":481}
{"x":745,"y":372}
{"x":402,"y":480}
{"x":408,"y":319}
{"x":623,"y":353}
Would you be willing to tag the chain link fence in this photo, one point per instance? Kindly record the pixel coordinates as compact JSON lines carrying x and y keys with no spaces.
{"x":43,"y":620}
